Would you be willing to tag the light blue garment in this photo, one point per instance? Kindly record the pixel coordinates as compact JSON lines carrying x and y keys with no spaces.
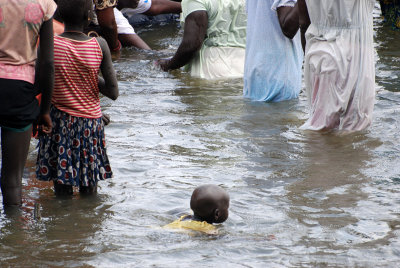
{"x":273,"y":62}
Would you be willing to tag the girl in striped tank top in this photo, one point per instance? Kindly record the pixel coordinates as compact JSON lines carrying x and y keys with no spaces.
{"x":74,"y":154}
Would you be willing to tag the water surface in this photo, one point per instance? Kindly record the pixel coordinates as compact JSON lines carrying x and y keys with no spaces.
{"x":298,"y":199}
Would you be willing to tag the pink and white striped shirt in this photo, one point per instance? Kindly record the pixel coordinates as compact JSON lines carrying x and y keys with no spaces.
{"x":77,"y":65}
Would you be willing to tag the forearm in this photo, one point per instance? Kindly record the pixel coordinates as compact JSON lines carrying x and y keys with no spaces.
{"x":183,"y":56}
{"x":108,"y":90}
{"x":193,"y":36}
{"x":304,"y":21}
{"x":289,"y":20}
{"x":46,"y":84}
{"x":129,"y":40}
{"x":108,"y":27}
{"x":163,"y":7}
{"x":45,"y":66}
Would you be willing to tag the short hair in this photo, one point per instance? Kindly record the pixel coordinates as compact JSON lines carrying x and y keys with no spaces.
{"x":74,"y":11}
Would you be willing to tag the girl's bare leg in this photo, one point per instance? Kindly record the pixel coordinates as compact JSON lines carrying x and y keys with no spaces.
{"x":14,"y":151}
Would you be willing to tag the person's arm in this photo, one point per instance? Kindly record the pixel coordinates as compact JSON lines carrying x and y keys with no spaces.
{"x":129,"y":40}
{"x":193,"y":36}
{"x":45,"y":74}
{"x":163,"y":7}
{"x":108,"y":84}
{"x":108,"y":27}
{"x":304,"y":21}
{"x":288,"y":20}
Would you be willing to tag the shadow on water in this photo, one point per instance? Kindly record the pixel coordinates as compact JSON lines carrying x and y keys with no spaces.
{"x":332,"y":180}
{"x":55,"y":234}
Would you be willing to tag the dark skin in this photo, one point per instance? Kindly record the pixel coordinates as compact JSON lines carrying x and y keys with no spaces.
{"x":163,"y":7}
{"x":14,"y":151}
{"x":15,"y":145}
{"x":108,"y":26}
{"x":109,"y":31}
{"x":108,"y":86}
{"x":157,"y":6}
{"x":210,"y":203}
{"x":45,"y":75}
{"x":194,"y":33}
{"x":289,"y":20}
{"x":304,"y":21}
{"x":132,"y":40}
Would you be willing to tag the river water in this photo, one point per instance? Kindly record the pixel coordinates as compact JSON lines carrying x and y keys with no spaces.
{"x":298,"y":199}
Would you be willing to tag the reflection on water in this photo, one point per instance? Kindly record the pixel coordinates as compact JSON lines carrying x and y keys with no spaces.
{"x":59,"y":238}
{"x":298,"y":199}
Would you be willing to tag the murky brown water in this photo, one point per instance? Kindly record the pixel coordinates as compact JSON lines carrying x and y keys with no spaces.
{"x":298,"y":199}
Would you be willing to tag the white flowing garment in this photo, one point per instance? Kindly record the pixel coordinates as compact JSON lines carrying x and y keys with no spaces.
{"x":339,"y":69}
{"x":272,"y":70}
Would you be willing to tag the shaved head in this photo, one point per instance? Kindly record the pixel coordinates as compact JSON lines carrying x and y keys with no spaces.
{"x":210,"y":203}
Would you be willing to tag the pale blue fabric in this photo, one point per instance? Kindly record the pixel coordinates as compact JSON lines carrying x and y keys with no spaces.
{"x":273,"y":62}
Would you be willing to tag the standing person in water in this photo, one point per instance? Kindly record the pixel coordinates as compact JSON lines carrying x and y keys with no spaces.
{"x":339,"y":69}
{"x":274,"y":58}
{"x":214,"y":39}
{"x":74,"y":154}
{"x":21,"y":24}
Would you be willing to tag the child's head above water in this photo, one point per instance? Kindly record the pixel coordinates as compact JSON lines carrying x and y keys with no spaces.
{"x":210,"y":203}
{"x":74,"y":12}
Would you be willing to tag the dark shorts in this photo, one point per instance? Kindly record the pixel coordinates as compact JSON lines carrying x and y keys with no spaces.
{"x":18,"y":106}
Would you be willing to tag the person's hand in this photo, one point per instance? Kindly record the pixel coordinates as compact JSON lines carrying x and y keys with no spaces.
{"x":163,"y":64}
{"x":106,"y":119}
{"x":44,"y":123}
{"x":115,"y":55}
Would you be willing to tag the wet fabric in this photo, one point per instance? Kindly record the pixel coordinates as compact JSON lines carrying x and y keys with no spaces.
{"x":223,"y":50}
{"x":185,"y":223}
{"x":273,"y":66}
{"x":391,"y":12}
{"x":123,"y":25}
{"x":75,"y":152}
{"x":142,"y":7}
{"x":339,"y":71}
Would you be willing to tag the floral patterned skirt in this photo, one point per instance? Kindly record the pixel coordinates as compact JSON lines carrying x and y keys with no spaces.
{"x":75,"y":152}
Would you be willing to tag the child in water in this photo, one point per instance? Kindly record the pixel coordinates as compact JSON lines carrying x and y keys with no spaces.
{"x":210,"y":204}
{"x":22,"y":23}
{"x":74,"y":153}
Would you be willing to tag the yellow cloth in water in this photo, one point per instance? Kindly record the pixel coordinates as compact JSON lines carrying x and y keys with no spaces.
{"x":191,"y":225}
